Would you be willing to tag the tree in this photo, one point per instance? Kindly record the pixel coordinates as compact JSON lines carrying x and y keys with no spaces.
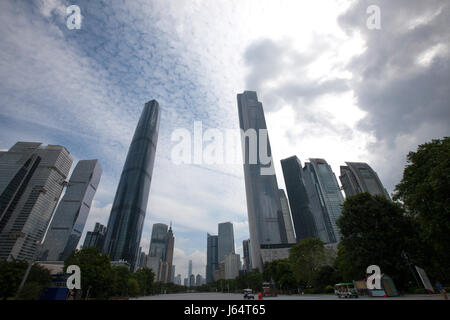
{"x":374,"y":231}
{"x":96,"y":272}
{"x":11,"y":274}
{"x":424,"y":190}
{"x":252,"y":280}
{"x":327,"y":276}
{"x":120,"y":280}
{"x":280,"y":271}
{"x":145,"y":278}
{"x":307,"y":257}
{"x":132,"y":287}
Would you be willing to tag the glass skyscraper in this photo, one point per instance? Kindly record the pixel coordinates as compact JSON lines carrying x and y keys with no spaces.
{"x":72,"y":212}
{"x":212,"y":257}
{"x":359,"y":177}
{"x":265,"y":217}
{"x":325,"y":197}
{"x":127,"y":216}
{"x":32,"y":177}
{"x":287,"y":217}
{"x":96,"y":237}
{"x":225,"y":240}
{"x":298,"y":198}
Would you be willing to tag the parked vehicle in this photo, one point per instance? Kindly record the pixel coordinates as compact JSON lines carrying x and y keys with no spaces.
{"x":345,"y":290}
{"x":248,"y":294}
{"x":269,"y":290}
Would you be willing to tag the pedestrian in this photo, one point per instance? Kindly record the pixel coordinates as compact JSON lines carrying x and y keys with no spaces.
{"x":442,"y":290}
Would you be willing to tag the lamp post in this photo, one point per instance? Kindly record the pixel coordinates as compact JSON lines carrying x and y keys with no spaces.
{"x":27,"y":272}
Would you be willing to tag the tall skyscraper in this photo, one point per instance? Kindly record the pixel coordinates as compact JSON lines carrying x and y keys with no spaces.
{"x":298,"y":198}
{"x":32,"y":177}
{"x":212,"y":257}
{"x":324,"y":193}
{"x":265,"y":217}
{"x":247,"y":256}
{"x":127,"y":216}
{"x":232,"y":261}
{"x":190,"y":275}
{"x":96,"y":237}
{"x":359,"y":177}
{"x":169,"y":255}
{"x":287,"y":217}
{"x":70,"y":217}
{"x":225,"y":240}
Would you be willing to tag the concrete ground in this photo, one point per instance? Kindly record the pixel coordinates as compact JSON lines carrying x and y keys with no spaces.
{"x":236,"y":296}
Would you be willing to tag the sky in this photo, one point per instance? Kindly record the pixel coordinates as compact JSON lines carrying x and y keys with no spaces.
{"x":331,"y":88}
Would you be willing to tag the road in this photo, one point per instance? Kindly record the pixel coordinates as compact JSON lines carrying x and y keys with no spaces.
{"x":236,"y":296}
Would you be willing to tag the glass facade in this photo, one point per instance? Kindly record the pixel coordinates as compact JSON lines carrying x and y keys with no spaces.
{"x":287,"y":217}
{"x":127,"y":216}
{"x":326,"y":188}
{"x":265,"y":217}
{"x":95,"y":238}
{"x":70,"y":217}
{"x":212,"y":257}
{"x":225,"y":240}
{"x":359,"y":177}
{"x":32,"y":177}
{"x":302,"y":216}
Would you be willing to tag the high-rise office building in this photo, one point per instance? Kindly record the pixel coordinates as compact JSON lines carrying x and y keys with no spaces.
{"x":232,"y":261}
{"x":192,"y":280}
{"x":225,"y":240}
{"x":212,"y":257}
{"x":247,"y":257}
{"x":265,"y":217}
{"x":359,"y":177}
{"x":198,"y":280}
{"x":169,"y":254}
{"x":70,"y":217}
{"x":161,"y":249}
{"x":96,"y":237}
{"x":127,"y":216}
{"x":32,"y":177}
{"x":190,"y":268}
{"x":324,"y":193}
{"x":287,"y":217}
{"x":298,"y":198}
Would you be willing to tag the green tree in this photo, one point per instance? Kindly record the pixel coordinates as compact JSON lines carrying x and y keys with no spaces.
{"x":96,"y":272}
{"x":425,"y":192}
{"x":280,"y":271}
{"x":307,"y":257}
{"x":374,"y":231}
{"x":120,"y":276}
{"x":132,"y":287}
{"x":145,"y":278}
{"x":11,"y":274}
{"x":252,"y":280}
{"x":327,"y":276}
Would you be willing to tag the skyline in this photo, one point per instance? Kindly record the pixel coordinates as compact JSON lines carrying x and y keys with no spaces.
{"x":119,"y":58}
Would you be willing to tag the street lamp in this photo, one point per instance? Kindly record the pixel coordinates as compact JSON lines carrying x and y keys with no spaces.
{"x":30,"y":264}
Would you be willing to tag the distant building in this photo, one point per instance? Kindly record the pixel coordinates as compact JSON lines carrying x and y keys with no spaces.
{"x":232,"y":261}
{"x":32,"y":177}
{"x":95,"y":238}
{"x":219,"y":274}
{"x":212,"y":257}
{"x":191,"y":280}
{"x":198,"y":280}
{"x":126,"y":220}
{"x":161,"y":252}
{"x":225,"y":240}
{"x":177,"y":280}
{"x":359,"y":177}
{"x":189,"y":269}
{"x":70,"y":217}
{"x":186,"y":282}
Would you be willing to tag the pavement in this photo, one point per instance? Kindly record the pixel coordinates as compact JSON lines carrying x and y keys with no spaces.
{"x":237,"y":296}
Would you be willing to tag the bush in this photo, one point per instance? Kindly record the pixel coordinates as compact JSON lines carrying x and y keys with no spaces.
{"x":311,"y":291}
{"x":31,"y":291}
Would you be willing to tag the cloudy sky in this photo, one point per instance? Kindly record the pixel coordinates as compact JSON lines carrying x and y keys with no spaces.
{"x":331,"y":88}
